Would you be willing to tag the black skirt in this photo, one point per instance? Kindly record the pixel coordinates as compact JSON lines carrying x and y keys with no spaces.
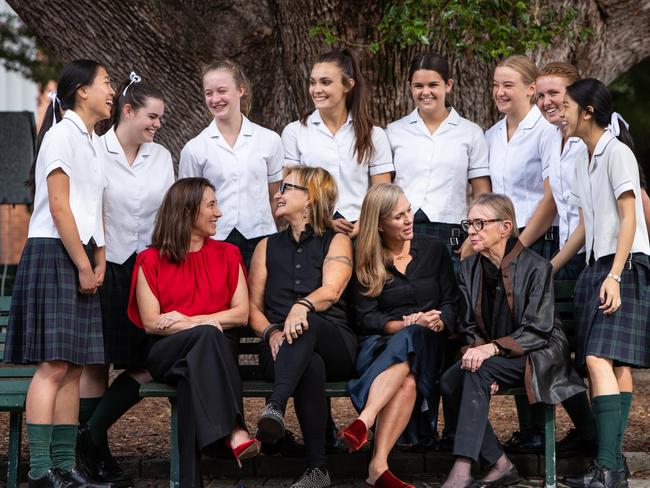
{"x":125,"y":344}
{"x":623,"y":336}
{"x":49,"y":319}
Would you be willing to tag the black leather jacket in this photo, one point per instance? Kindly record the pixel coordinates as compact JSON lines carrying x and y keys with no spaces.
{"x":528,"y":283}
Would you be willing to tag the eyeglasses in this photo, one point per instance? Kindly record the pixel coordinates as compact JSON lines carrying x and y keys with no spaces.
{"x":284,"y":186}
{"x":478,"y":224}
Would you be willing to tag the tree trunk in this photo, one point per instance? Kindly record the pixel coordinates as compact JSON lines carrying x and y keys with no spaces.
{"x":167,"y":42}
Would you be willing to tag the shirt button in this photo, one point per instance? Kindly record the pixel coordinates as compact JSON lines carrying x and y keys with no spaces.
{"x":298,"y":266}
{"x":298,"y":282}
{"x":299,"y":250}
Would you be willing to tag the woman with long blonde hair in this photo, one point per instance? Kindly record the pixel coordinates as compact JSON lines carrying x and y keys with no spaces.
{"x":405,"y":299}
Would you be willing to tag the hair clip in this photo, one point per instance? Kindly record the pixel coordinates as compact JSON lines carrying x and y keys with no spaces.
{"x":614,"y":126}
{"x":134,"y":79}
{"x":52,"y":96}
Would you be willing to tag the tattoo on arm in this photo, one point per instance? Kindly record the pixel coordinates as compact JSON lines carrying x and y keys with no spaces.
{"x":340,"y":259}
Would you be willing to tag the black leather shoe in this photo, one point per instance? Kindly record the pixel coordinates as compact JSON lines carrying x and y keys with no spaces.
{"x":54,"y":478}
{"x":84,"y":478}
{"x":508,"y":478}
{"x":270,"y":424}
{"x":101,"y":468}
{"x":624,"y":474}
{"x":605,"y":478}
{"x":574,"y":444}
{"x":581,"y":480}
{"x":528,"y":442}
{"x":108,"y":471}
{"x":287,"y":446}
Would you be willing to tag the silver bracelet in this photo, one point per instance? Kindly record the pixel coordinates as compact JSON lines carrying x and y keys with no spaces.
{"x":614,"y":277}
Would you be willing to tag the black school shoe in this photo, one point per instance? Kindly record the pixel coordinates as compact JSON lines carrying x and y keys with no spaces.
{"x":287,"y":446}
{"x":83,"y":478}
{"x":54,"y":478}
{"x":606,"y":478}
{"x":270,"y":425}
{"x":102,"y":469}
{"x":582,"y":480}
{"x":574,"y":444}
{"x":530,"y":441}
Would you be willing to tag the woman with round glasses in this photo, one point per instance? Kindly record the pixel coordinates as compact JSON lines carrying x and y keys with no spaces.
{"x":297,"y":282}
{"x":509,"y":336}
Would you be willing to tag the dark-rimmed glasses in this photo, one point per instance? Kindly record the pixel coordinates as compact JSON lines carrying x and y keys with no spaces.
{"x":284,"y":186}
{"x":478,"y":224}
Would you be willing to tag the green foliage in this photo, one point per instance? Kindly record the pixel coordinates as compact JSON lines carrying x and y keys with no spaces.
{"x":489,"y":29}
{"x":20,"y":51}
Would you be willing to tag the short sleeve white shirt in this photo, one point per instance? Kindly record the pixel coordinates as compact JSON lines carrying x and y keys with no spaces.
{"x":132,"y":195}
{"x":598,"y":184}
{"x":240,"y":174}
{"x":519,"y":167}
{"x":314,"y":145}
{"x":433,"y":169}
{"x":68,"y":146}
{"x":560,"y":176}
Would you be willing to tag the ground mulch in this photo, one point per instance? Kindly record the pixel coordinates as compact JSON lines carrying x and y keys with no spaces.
{"x":144,"y":431}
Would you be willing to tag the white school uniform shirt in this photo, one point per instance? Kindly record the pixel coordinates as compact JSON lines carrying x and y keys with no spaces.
{"x":561,"y":171}
{"x":240,"y":174}
{"x":132,"y":195}
{"x":68,"y":146}
{"x":433,"y":169}
{"x":314,"y":145}
{"x":519,"y":167}
{"x":598,"y":183}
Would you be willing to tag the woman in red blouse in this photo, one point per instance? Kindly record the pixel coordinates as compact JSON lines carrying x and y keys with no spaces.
{"x":186,"y":290}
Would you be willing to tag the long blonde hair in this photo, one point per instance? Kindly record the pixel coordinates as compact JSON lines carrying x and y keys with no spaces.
{"x":371,"y":258}
{"x":323,"y":194}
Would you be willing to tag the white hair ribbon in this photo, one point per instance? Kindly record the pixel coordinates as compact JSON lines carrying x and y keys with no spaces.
{"x":614,"y":127}
{"x":134,"y":79}
{"x":52,"y":96}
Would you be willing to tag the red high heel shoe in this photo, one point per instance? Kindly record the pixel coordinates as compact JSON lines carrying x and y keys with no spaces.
{"x":354,"y":436}
{"x":389,"y":480}
{"x":245,"y":450}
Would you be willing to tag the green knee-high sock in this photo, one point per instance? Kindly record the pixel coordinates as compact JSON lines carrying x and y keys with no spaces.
{"x":87,"y":407}
{"x":626,"y":405}
{"x":123,"y":393}
{"x":607,"y":410}
{"x":64,"y":441}
{"x":39,"y":437}
{"x":579,"y":411}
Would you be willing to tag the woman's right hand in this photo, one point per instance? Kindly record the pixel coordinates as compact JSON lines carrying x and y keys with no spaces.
{"x":87,"y":282}
{"x":214,"y":323}
{"x":275,"y":341}
{"x":343,"y":226}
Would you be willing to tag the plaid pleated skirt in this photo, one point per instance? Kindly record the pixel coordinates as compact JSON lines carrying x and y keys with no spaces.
{"x":49,"y":319}
{"x":246,"y":246}
{"x":125,"y":344}
{"x":441,"y":232}
{"x":623,"y":336}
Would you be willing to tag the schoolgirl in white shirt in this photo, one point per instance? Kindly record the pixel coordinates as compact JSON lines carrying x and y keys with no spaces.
{"x":138,"y":173}
{"x":339,"y":135}
{"x":612,"y":296}
{"x":241,"y":159}
{"x":436,"y":153}
{"x":520,"y":151}
{"x":55,"y":317}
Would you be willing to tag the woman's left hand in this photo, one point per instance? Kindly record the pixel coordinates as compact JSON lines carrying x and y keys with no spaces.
{"x":610,"y":296}
{"x":295,"y":323}
{"x":166,"y":320}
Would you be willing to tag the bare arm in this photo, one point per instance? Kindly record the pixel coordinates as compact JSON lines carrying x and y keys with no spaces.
{"x":256,"y":285}
{"x":542,"y":219}
{"x":571,"y":246}
{"x":273,"y":189}
{"x":380,"y":178}
{"x":482,"y":184}
{"x":58,"y":189}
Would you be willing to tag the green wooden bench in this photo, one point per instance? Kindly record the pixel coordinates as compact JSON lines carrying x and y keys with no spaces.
{"x":254,"y":386}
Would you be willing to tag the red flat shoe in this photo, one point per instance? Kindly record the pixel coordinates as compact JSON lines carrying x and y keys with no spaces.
{"x":389,"y":480}
{"x":354,"y":436}
{"x":245,"y":450}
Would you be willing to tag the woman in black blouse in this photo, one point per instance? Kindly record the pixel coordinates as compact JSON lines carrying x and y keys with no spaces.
{"x":405,"y":297}
{"x":297,"y":280}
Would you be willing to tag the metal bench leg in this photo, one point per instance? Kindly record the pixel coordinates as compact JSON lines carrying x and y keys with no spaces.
{"x":549,"y":447}
{"x":174,"y":460}
{"x":15,"y":440}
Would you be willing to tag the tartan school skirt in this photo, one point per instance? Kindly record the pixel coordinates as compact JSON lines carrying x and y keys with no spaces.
{"x":125,"y":344}
{"x":441,"y":232}
{"x":623,"y":336}
{"x":246,"y":246}
{"x":49,"y":319}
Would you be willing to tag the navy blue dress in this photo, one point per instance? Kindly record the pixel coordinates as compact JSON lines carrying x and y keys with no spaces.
{"x":428,"y":283}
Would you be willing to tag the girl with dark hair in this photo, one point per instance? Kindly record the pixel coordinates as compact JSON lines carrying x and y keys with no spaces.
{"x":436,"y":153}
{"x":187,"y":289}
{"x":339,"y":135}
{"x":138,"y":173}
{"x":242,"y":160}
{"x":612,"y":300}
{"x":55,"y":316}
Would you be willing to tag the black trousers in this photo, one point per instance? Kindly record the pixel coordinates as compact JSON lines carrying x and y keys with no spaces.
{"x":301,"y":370}
{"x":200,"y":363}
{"x":467,"y":403}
